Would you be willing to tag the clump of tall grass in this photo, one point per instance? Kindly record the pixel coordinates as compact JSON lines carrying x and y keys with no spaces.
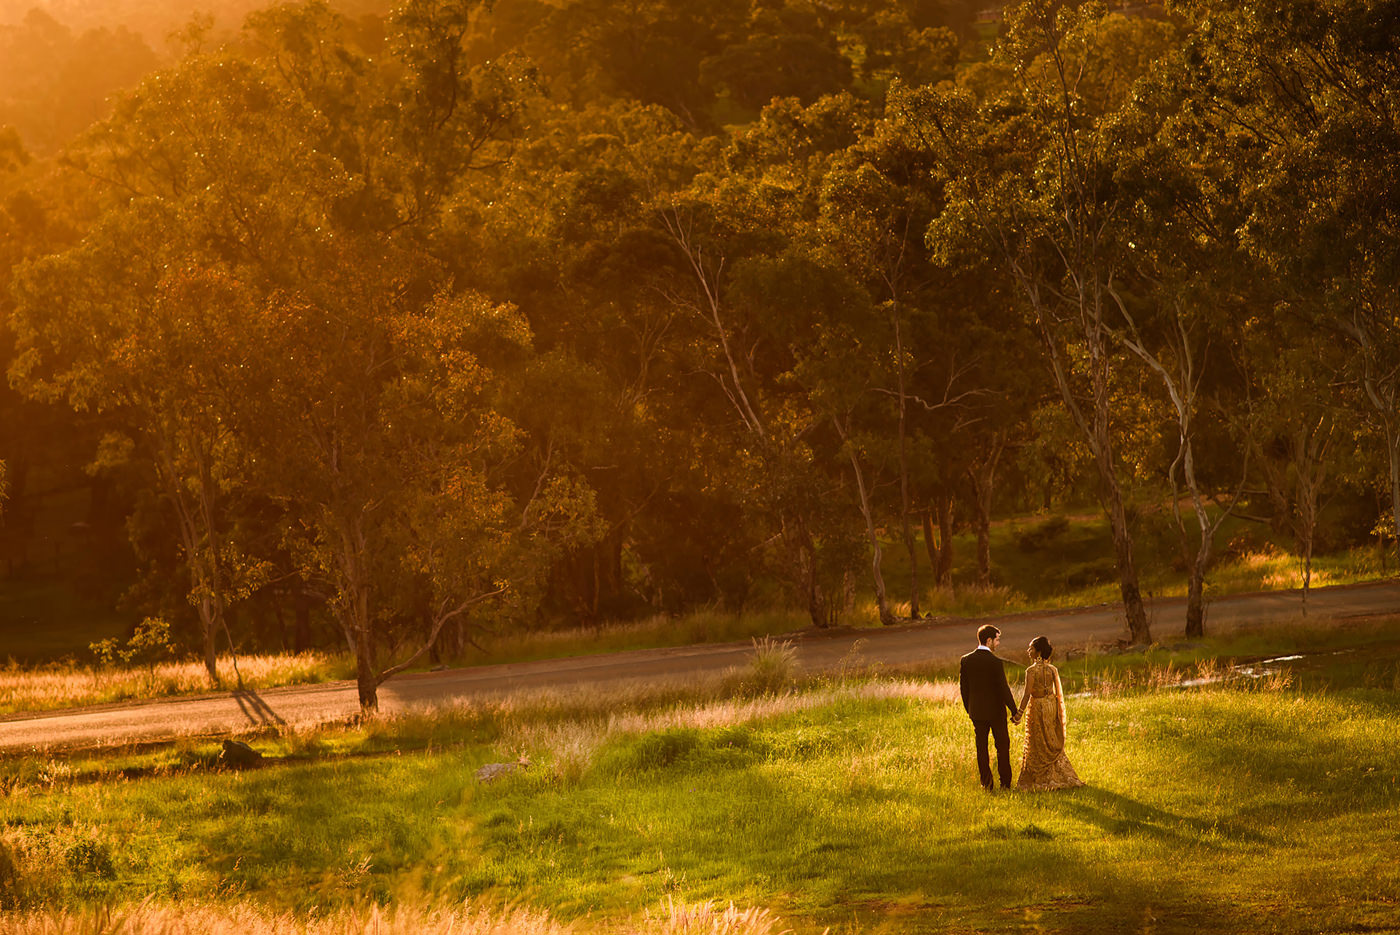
{"x":244,"y":919}
{"x":706,"y":917}
{"x":771,"y":670}
{"x":68,"y":684}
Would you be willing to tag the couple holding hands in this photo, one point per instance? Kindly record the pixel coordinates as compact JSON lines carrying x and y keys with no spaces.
{"x":987,"y":698}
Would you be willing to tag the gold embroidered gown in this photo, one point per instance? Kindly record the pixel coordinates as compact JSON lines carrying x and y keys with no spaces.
{"x":1043,"y":761}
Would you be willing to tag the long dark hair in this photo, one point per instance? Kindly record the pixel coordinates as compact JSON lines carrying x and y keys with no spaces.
{"x":1041,"y":645}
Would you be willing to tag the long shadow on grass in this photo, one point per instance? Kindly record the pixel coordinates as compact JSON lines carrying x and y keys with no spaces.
{"x":1120,"y":815}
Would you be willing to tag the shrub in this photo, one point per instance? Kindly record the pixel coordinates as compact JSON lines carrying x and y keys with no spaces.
{"x":1088,"y":574}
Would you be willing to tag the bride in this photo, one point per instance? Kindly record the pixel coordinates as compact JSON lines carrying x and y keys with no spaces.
{"x":1043,"y":762}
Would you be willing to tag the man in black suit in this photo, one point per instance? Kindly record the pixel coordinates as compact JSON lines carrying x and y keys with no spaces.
{"x":987,"y":697}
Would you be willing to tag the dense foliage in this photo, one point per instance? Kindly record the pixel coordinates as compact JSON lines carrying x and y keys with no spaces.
{"x":408,"y":320}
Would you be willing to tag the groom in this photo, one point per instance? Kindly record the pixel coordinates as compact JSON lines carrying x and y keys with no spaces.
{"x":987,"y":697}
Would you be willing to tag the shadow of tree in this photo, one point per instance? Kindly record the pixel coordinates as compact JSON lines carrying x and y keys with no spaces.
{"x":1117,"y":814}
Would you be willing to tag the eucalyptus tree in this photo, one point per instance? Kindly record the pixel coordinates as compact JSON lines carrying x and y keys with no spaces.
{"x":1181,"y":304}
{"x":1299,"y":98}
{"x":260,"y":304}
{"x":1294,"y":426}
{"x":874,"y":219}
{"x":393,"y":459}
{"x":569,"y":231}
{"x":936,"y":355}
{"x":380,"y":439}
{"x":142,"y":320}
{"x":754,"y":296}
{"x":1029,"y":172}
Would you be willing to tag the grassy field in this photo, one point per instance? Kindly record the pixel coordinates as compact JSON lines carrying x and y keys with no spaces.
{"x":1245,"y":805}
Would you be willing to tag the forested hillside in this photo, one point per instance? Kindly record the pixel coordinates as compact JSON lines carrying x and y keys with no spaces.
{"x":378,"y":326}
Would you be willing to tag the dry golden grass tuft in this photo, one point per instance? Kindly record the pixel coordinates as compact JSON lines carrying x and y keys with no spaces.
{"x":708,"y":919}
{"x":153,"y":919}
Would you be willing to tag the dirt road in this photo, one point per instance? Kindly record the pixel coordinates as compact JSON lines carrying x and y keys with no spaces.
{"x":933,"y":641}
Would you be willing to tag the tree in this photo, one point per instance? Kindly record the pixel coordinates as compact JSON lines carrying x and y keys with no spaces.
{"x":1294,"y":430}
{"x":381,"y":444}
{"x":1298,"y":97}
{"x":1182,"y":301}
{"x":875,"y":218}
{"x":271,"y":195}
{"x":746,"y":291}
{"x":925,"y":339}
{"x":124,"y":334}
{"x":1031,"y":173}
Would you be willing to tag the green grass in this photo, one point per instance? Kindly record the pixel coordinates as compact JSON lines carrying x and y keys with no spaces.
{"x":1253,"y":806}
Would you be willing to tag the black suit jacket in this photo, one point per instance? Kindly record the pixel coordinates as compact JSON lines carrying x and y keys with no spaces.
{"x":985,"y":694}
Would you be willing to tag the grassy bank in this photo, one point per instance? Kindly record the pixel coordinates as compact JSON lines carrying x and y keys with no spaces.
{"x":1254,"y":804}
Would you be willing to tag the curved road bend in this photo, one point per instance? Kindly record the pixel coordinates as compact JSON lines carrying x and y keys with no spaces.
{"x":817,"y":650}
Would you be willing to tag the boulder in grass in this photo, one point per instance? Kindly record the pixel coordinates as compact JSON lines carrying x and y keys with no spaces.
{"x":238,"y":755}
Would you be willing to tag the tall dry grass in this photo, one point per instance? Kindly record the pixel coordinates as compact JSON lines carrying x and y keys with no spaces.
{"x":67,"y":685}
{"x":242,"y":919}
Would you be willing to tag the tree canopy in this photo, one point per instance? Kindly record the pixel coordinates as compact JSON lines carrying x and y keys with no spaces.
{"x":461,"y":314}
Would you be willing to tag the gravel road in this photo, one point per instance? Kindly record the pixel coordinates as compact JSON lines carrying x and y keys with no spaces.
{"x":817,"y":650}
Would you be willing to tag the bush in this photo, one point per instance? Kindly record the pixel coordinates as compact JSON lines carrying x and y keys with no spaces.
{"x":729,"y":747}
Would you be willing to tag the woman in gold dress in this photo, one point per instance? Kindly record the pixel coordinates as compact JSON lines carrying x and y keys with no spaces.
{"x":1043,"y":762}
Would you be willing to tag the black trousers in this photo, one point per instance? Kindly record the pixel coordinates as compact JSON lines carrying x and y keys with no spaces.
{"x":1002,"y":738}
